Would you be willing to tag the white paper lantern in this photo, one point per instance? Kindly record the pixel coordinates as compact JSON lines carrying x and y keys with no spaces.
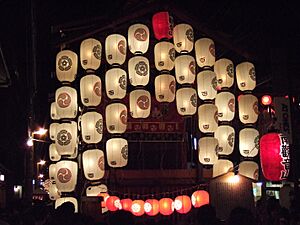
{"x":61,"y":201}
{"x":90,"y":90}
{"x":249,"y":142}
{"x":138,"y":70}
{"x":66,"y":138}
{"x":91,"y":127}
{"x":221,"y":167}
{"x":52,"y":172}
{"x":224,"y":70}
{"x":140,"y":103}
{"x":186,"y":101}
{"x":66,"y":102}
{"x":94,"y":191}
{"x":208,"y":118}
{"x":53,"y":111}
{"x":90,"y":54}
{"x":117,"y":152}
{"x":73,"y":156}
{"x":226,"y":137}
{"x":53,"y":153}
{"x":207,"y":85}
{"x":183,"y":36}
{"x":66,"y":175}
{"x":115,"y":49}
{"x":66,"y":66}
{"x":116,"y":83}
{"x":52,"y":130}
{"x":93,"y":164}
{"x":245,"y":76}
{"x":164,"y":55}
{"x":248,"y":108}
{"x":138,"y":38}
{"x":208,"y":147}
{"x":185,"y":69}
{"x":116,"y":118}
{"x":205,"y":52}
{"x":165,"y":87}
{"x":225,"y":102}
{"x":54,"y":193}
{"x":249,"y":169}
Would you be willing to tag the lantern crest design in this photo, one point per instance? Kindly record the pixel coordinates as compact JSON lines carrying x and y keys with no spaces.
{"x":248,"y":108}
{"x":137,"y":207}
{"x":206,"y":85}
{"x":93,"y":164}
{"x":208,"y":148}
{"x":224,"y":70}
{"x":116,"y":83}
{"x":185,"y":69}
{"x":186,"y":101}
{"x":116,"y":118}
{"x":208,"y":118}
{"x":90,"y":54}
{"x":90,"y":90}
{"x":139,"y":70}
{"x":66,"y":138}
{"x":66,"y":175}
{"x":140,"y":103}
{"x":138,"y":38}
{"x":245,"y":76}
{"x":165,"y":88}
{"x":183,"y":36}
{"x":66,"y":66}
{"x":164,"y":56}
{"x":91,"y":127}
{"x":115,"y":48}
{"x":66,"y":102}
{"x":225,"y":102}
{"x":249,"y":142}
{"x":226,"y":137}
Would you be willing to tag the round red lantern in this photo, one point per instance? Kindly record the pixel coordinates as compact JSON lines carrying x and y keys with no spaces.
{"x":275,"y":156}
{"x":126,"y":204}
{"x":151,"y":207}
{"x":105,"y":197}
{"x":200,"y":198}
{"x":266,"y":100}
{"x":162,"y":26}
{"x":137,"y":207}
{"x":113,"y":203}
{"x":166,"y":206}
{"x":183,"y":204}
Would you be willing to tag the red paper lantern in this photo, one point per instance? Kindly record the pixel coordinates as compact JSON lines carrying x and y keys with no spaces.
{"x":137,"y":207}
{"x":113,"y":203}
{"x":126,"y":204}
{"x":151,"y":207}
{"x":105,"y":197}
{"x":200,"y":198}
{"x":275,"y":156}
{"x":266,"y":100}
{"x":166,"y":206}
{"x":162,"y":26}
{"x":183,"y":204}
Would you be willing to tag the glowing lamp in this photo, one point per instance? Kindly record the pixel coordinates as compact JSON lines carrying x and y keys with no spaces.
{"x":52,"y":172}
{"x":248,"y":108}
{"x":164,"y":56}
{"x":117,"y":152}
{"x":151,"y":207}
{"x":224,"y":70}
{"x":208,"y":118}
{"x":91,"y":127}
{"x":226,"y":136}
{"x":66,"y":175}
{"x":225,"y":101}
{"x":66,"y":138}
{"x":115,"y":49}
{"x":249,"y":169}
{"x":53,"y":153}
{"x":205,"y":52}
{"x":66,"y":66}
{"x":113,"y":203}
{"x":245,"y":76}
{"x":105,"y":196}
{"x":165,"y":87}
{"x":266,"y":100}
{"x":249,"y":142}
{"x":275,"y":156}
{"x":52,"y":131}
{"x":183,"y":204}
{"x":186,"y":101}
{"x":90,"y":54}
{"x":66,"y":102}
{"x":183,"y":36}
{"x":162,"y":26}
{"x":93,"y":164}
{"x":166,"y":206}
{"x":138,"y":70}
{"x":200,"y":198}
{"x":140,"y":103}
{"x":116,"y":83}
{"x":137,"y":207}
{"x":90,"y":90}
{"x":207,"y":85}
{"x":53,"y":111}
{"x":126,"y":204}
{"x":221,"y":167}
{"x":116,"y":118}
{"x":208,"y":148}
{"x":138,"y":38}
{"x":60,"y":201}
{"x":185,"y":69}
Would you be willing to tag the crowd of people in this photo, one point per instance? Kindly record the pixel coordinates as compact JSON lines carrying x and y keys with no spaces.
{"x":267,"y":212}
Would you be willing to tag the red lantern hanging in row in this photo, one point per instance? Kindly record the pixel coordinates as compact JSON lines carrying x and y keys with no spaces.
{"x":113,"y":203}
{"x":200,"y":198}
{"x":137,"y":207}
{"x":126,"y":204}
{"x":166,"y":206}
{"x":151,"y":207}
{"x":183,"y":204}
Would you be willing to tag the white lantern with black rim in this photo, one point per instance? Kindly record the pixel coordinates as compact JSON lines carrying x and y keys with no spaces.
{"x":53,"y":153}
{"x":66,"y":138}
{"x":116,"y":83}
{"x":52,"y":172}
{"x":52,"y":131}
{"x":53,"y":111}
{"x":117,"y":152}
{"x":208,"y":118}
{"x":96,"y":190}
{"x":186,"y":101}
{"x":66,"y":102}
{"x":61,"y":201}
{"x":224,"y":70}
{"x":225,"y":102}
{"x":226,"y":137}
{"x":90,"y":90}
{"x":139,"y":71}
{"x":205,"y":52}
{"x":90,"y":54}
{"x":91,"y":127}
{"x":165,"y":87}
{"x":248,"y":108}
{"x":249,"y":142}
{"x":93,"y":164}
{"x":66,"y":66}
{"x":164,"y":56}
{"x":185,"y":69}
{"x":245,"y":76}
{"x":249,"y":169}
{"x":66,"y":175}
{"x":116,"y":118}
{"x":115,"y":49}
{"x":207,"y":150}
{"x":183,"y":36}
{"x":138,"y":38}
{"x":207,"y":85}
{"x":140,"y":103}
{"x":221,"y":167}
